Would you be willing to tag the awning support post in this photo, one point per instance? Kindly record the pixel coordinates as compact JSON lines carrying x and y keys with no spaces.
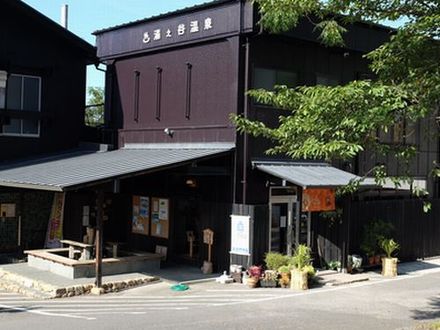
{"x":98,"y":241}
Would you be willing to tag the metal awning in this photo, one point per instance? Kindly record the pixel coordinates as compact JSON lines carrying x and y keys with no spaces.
{"x":75,"y":170}
{"x":308,"y":175}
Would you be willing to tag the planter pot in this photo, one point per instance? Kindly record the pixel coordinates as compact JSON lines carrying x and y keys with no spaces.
{"x":284,"y":280}
{"x":252,"y":282}
{"x":389,"y":267}
{"x":299,"y":280}
{"x":268,"y":283}
{"x":377,"y":260}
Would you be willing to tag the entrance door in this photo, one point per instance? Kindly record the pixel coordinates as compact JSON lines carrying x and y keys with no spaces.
{"x":284,"y":224}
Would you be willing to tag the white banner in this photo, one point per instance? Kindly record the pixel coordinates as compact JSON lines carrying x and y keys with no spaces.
{"x":240,"y":235}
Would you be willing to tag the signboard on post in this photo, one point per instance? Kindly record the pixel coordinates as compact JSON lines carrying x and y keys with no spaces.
{"x":240,"y":235}
{"x":315,"y":200}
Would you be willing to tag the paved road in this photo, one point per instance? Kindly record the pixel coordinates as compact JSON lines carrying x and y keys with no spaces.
{"x":401,"y":303}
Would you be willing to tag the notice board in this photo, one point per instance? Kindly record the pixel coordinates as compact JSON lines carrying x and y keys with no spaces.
{"x":160,"y":217}
{"x":141,"y":215}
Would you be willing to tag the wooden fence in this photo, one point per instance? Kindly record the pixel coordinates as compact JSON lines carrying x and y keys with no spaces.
{"x":417,"y":232}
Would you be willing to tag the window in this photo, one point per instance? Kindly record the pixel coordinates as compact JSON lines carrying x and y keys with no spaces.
{"x":20,"y":93}
{"x":3,"y":78}
{"x":326,"y":80}
{"x":268,"y":78}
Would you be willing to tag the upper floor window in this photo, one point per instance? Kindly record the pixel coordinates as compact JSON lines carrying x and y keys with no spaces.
{"x":268,"y":78}
{"x":20,"y":93}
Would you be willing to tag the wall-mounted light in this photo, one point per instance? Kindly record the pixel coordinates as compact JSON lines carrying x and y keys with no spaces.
{"x":168,"y":132}
{"x":192,"y":183}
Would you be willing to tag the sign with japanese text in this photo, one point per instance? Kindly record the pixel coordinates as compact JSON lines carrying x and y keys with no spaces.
{"x":208,"y":236}
{"x":318,"y":199}
{"x":55,"y":226}
{"x":240,"y":235}
{"x":168,"y":31}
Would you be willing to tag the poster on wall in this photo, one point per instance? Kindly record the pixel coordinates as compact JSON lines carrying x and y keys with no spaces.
{"x":141,"y":215}
{"x":160,"y":216}
{"x":316,"y":200}
{"x":55,"y":225}
{"x":240,"y":235}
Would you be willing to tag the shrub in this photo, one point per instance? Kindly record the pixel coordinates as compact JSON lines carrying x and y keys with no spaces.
{"x":275,"y":260}
{"x":284,"y":269}
{"x":301,"y":257}
{"x":374,"y":232}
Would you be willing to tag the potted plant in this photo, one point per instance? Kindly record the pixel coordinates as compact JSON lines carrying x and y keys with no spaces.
{"x":284,"y":272}
{"x":389,"y":264}
{"x":301,"y":260}
{"x":374,"y":232}
{"x":254,"y":276}
{"x":275,"y":260}
{"x":269,"y":279}
{"x":334,"y":265}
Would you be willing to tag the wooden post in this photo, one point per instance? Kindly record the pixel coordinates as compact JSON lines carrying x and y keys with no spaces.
{"x":98,"y":242}
{"x":209,"y":252}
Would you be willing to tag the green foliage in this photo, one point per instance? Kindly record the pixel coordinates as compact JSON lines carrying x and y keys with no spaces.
{"x":301,"y":257}
{"x":94,"y":114}
{"x":284,"y":269}
{"x":375,"y":232}
{"x":340,"y":122}
{"x":310,"y":270}
{"x":334,"y":264}
{"x":328,"y":122}
{"x":275,"y":260}
{"x":389,"y":246}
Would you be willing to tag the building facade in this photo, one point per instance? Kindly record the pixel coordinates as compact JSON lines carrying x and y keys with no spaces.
{"x":42,"y":101}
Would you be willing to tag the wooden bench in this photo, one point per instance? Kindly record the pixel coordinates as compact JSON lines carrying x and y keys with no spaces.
{"x":77,"y":247}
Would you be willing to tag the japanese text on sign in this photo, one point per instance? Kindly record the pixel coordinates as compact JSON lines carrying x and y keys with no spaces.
{"x":240,"y":235}
{"x":182,"y":29}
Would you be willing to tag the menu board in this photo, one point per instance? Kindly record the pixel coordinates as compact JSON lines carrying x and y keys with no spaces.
{"x":160,"y":214}
{"x":141,"y":215}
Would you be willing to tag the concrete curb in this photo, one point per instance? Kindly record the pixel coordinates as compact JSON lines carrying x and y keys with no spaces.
{"x":39,"y":289}
{"x":348,"y":282}
{"x":202,"y":280}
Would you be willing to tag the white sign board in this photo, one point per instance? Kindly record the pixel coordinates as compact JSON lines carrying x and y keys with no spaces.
{"x":240,"y":235}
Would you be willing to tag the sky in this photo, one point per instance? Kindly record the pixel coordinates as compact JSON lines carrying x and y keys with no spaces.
{"x":86,"y":16}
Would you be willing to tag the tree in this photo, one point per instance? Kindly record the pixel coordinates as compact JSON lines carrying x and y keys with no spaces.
{"x":340,"y":122}
{"x":94,"y":115}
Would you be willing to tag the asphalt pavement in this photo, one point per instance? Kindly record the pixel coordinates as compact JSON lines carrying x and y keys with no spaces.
{"x":406,"y":302}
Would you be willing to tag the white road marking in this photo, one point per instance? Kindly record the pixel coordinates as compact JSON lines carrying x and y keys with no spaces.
{"x":90,"y":307}
{"x":27,"y":310}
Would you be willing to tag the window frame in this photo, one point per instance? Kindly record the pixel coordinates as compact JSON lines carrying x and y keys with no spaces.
{"x":21,"y":134}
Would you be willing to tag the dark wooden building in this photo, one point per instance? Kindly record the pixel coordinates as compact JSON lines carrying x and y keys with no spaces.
{"x":176,"y":78}
{"x":180,"y":167}
{"x":42,"y":102}
{"x":42,"y":83}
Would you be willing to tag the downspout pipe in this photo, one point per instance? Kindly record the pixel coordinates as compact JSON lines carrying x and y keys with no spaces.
{"x":245,"y":115}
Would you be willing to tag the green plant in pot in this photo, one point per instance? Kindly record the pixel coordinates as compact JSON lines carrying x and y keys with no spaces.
{"x":284,"y":272}
{"x":389,"y":263}
{"x":275,"y":260}
{"x":373,"y":233}
{"x":301,"y":262}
